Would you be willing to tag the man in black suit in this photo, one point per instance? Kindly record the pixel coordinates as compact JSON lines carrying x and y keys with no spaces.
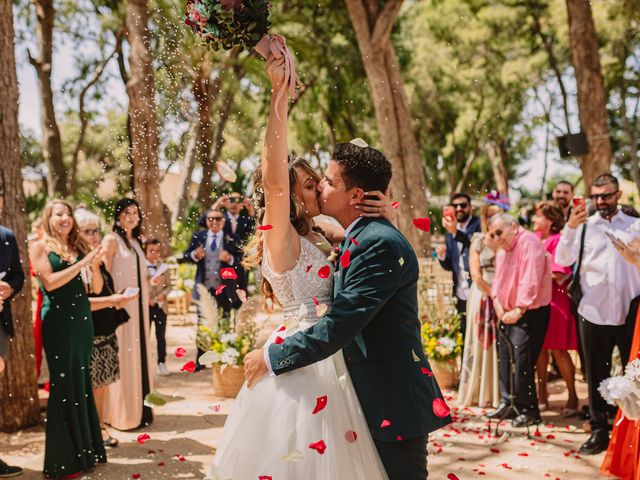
{"x":454,"y":255}
{"x":239,"y":227}
{"x":210,"y":250}
{"x":11,"y":283}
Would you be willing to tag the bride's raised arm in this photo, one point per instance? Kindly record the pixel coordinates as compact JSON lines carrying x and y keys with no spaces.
{"x":281,"y":242}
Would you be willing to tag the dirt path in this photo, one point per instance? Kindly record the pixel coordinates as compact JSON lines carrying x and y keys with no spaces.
{"x":186,"y":431}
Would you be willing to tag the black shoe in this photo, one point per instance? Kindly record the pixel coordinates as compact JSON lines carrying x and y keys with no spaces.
{"x":501,"y":412}
{"x":7,"y":471}
{"x":526,"y":420}
{"x":598,"y":442}
{"x":110,"y":442}
{"x":584,"y":413}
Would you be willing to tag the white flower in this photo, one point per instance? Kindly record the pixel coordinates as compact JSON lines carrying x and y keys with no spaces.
{"x":615,"y":389}
{"x":230,"y":356}
{"x":228,"y":337}
{"x":632,"y":371}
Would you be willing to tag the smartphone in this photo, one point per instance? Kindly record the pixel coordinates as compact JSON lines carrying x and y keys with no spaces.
{"x":616,"y":241}
{"x":579,"y":202}
{"x":449,"y":212}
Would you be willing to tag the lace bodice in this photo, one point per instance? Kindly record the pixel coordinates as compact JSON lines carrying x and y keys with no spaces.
{"x":299,"y":285}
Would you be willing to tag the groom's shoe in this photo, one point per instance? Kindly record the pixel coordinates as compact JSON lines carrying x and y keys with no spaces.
{"x":500,"y":411}
{"x":526,"y":419}
{"x":598,"y":442}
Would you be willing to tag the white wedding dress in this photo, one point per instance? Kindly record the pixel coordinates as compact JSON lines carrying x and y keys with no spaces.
{"x":270,"y":427}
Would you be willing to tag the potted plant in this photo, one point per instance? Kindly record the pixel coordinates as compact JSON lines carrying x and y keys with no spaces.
{"x":225,"y":344}
{"x":442,"y":343}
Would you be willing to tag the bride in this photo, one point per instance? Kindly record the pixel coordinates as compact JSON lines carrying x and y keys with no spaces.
{"x":301,"y":425}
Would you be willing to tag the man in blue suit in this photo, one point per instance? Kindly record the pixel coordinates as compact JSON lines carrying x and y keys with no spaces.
{"x":210,"y":251}
{"x":11,"y":283}
{"x":454,"y":255}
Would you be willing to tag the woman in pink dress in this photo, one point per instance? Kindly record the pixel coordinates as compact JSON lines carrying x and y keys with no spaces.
{"x":561,"y":336}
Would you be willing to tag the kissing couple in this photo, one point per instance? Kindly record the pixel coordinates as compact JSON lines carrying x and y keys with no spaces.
{"x":342,"y":390}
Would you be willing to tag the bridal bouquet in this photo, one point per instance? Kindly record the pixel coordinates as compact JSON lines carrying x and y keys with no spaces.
{"x":624,"y":390}
{"x":440,"y":333}
{"x":220,"y":338}
{"x":228,"y":23}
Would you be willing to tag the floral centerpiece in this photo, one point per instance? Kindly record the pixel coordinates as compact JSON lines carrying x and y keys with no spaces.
{"x":442,"y":342}
{"x":225,"y":343}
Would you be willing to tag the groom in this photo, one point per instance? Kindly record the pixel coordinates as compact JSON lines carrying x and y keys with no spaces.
{"x":373,"y":318}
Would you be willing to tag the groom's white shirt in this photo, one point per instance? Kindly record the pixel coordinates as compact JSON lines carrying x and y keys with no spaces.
{"x":265,"y":352}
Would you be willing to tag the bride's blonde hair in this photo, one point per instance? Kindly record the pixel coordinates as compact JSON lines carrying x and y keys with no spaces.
{"x":254,"y":249}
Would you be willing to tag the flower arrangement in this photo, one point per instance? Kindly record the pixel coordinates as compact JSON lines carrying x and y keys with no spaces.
{"x":228,"y":23}
{"x":441,"y":337}
{"x":223,"y":341}
{"x":624,"y":390}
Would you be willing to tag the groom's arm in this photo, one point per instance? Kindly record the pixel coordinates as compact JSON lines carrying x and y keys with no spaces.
{"x":374,"y":275}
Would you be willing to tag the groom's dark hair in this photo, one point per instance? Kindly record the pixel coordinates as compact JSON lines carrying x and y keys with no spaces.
{"x":363,"y":167}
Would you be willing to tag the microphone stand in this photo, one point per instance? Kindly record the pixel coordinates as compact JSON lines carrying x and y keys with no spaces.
{"x":512,"y":381}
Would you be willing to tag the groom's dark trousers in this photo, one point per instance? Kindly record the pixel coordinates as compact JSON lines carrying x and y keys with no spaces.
{"x":405,"y":460}
{"x":374,"y":319}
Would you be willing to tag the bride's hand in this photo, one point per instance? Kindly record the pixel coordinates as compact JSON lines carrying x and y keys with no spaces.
{"x":380,"y":208}
{"x":275,"y":71}
{"x":254,"y":367}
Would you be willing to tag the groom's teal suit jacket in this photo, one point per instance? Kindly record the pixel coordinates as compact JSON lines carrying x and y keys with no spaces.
{"x":374,"y":319}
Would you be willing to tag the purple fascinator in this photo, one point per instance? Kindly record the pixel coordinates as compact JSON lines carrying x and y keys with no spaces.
{"x":496,"y":198}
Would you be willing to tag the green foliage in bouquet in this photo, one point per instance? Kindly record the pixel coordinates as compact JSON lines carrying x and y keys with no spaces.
{"x":228,"y":23}
{"x":441,"y":337}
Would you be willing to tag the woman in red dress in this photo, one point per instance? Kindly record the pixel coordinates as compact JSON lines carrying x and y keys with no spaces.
{"x":621,"y":459}
{"x":561,"y":334}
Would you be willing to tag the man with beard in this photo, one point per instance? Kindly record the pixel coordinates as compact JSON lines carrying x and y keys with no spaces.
{"x":563,"y":196}
{"x":608,"y":284}
{"x":454,"y":255}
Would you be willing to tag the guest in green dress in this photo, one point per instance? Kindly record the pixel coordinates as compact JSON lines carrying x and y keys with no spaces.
{"x":66,"y":268}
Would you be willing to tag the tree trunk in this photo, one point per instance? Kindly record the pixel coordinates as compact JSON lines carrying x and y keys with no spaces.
{"x":51,"y":142}
{"x":206,"y":185}
{"x":185,"y":179}
{"x":372,"y":27}
{"x":591,"y":94}
{"x":144,"y":134}
{"x":497,"y":152}
{"x":18,"y":384}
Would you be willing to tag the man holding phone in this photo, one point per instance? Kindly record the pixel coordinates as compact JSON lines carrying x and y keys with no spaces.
{"x":608,"y":284}
{"x":460,"y":225}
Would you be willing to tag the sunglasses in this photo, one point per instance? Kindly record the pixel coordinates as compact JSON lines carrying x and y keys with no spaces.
{"x":215,"y":219}
{"x":602,"y":196}
{"x":91,"y":231}
{"x":461,"y":205}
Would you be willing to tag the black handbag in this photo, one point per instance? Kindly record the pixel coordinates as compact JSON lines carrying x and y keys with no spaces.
{"x":106,"y":321}
{"x":575,"y":290}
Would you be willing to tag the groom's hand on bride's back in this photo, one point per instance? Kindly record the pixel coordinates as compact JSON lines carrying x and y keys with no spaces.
{"x":254,"y":366}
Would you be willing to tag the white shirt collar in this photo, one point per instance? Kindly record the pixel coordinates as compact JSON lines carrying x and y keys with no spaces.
{"x":351,"y":227}
{"x":218,"y":235}
{"x":463,"y":226}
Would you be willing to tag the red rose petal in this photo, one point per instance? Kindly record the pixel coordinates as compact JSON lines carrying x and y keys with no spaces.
{"x":265,"y":477}
{"x":321,"y":402}
{"x":216,"y":408}
{"x":452,"y":476}
{"x":318,"y":446}
{"x":354,"y":241}
{"x":180,"y":352}
{"x":395,"y":205}
{"x":440,"y":408}
{"x":494,"y":450}
{"x":190,"y":367}
{"x":281,"y":329}
{"x":135,"y":475}
{"x":423,"y":224}
{"x":324,"y":271}
{"x":181,"y":458}
{"x":279,"y":340}
{"x":309,"y":267}
{"x":523,"y":454}
{"x":220,"y":289}
{"x":228,"y":274}
{"x":143,"y":438}
{"x":351,"y":436}
{"x":426,"y":371}
{"x":400,"y":438}
{"x":47,"y":387}
{"x":264,"y":228}
{"x":161,"y":464}
{"x":345,"y":259}
{"x":385,"y":423}
{"x":315,"y":300}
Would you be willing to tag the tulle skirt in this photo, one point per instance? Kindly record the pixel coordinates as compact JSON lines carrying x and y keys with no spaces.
{"x":271,"y":427}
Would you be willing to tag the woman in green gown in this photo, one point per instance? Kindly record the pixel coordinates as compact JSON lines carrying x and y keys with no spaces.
{"x":64,"y":265}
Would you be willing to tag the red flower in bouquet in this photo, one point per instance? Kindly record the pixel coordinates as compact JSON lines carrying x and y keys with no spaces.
{"x":231,"y":4}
